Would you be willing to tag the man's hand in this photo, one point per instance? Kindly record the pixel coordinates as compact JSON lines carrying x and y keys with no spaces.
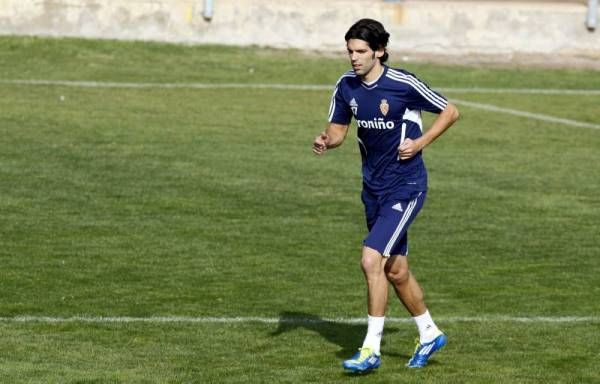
{"x":320,"y":144}
{"x":408,"y":148}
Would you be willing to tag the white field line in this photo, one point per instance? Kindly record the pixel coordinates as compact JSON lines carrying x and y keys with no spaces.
{"x":529,"y":115}
{"x":317,"y":87}
{"x":288,"y":320}
{"x":526,"y":91}
{"x":104,"y":84}
{"x":313,"y":87}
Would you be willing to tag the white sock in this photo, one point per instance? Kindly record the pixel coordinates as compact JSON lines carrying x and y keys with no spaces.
{"x":428,"y":331}
{"x":374,"y":333}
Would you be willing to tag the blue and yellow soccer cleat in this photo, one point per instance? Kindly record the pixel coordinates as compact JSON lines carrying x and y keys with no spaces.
{"x":363,"y":361}
{"x":424,"y":351}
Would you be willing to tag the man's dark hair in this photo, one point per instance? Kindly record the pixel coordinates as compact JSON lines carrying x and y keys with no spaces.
{"x":373,"y":33}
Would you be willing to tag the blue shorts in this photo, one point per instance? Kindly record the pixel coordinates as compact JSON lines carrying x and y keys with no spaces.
{"x":388,"y":223}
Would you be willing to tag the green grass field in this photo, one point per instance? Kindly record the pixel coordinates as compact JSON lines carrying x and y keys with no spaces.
{"x":208,"y":203}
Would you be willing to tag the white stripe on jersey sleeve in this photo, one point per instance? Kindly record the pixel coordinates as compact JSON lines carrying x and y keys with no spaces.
{"x":332,"y":103}
{"x":424,"y":90}
{"x":418,"y":84}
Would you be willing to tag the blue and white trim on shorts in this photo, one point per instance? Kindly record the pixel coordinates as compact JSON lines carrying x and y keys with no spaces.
{"x":388,"y":228}
{"x":401,"y":225}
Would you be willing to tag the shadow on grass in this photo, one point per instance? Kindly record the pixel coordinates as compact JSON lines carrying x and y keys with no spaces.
{"x":348,"y":336}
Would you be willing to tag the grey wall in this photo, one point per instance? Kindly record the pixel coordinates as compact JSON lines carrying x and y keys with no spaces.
{"x":455,"y":28}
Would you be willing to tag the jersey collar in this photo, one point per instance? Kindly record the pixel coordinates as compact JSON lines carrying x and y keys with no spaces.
{"x":373,"y":84}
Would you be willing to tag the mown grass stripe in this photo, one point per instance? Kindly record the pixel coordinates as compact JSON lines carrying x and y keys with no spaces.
{"x":486,"y":107}
{"x":291,"y":320}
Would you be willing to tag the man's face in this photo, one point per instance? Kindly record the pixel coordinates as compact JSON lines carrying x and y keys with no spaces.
{"x":362,"y":57}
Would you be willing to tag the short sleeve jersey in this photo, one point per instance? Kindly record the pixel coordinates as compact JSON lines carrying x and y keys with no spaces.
{"x":386,"y":112}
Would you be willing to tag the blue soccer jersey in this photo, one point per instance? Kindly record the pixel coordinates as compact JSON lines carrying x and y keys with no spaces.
{"x":386,"y":112}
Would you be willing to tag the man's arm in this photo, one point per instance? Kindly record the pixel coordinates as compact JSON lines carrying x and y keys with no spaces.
{"x":445,"y":119}
{"x":332,"y":137}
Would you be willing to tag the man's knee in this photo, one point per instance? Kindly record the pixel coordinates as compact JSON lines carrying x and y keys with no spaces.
{"x":397,"y":272}
{"x":371,"y":261}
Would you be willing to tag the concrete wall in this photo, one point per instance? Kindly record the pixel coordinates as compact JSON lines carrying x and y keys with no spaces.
{"x":417,"y":27}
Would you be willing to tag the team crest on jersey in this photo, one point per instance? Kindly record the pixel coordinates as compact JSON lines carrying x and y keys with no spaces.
{"x":384,"y":107}
{"x":354,"y":106}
